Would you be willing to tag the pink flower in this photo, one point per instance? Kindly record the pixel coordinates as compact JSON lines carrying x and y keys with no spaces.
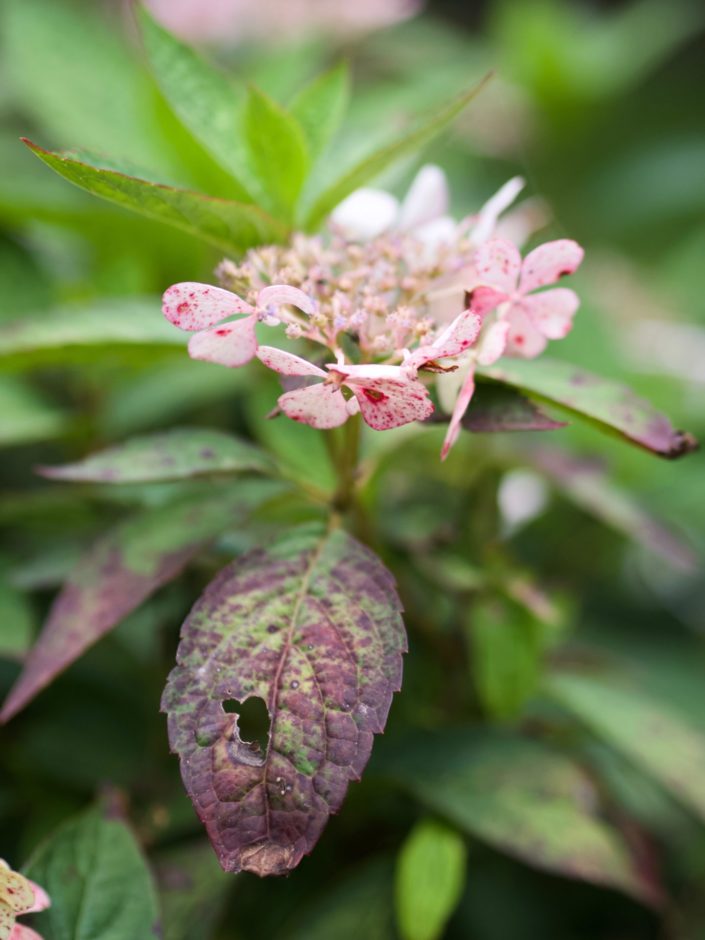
{"x":507,"y":283}
{"x":386,"y":396}
{"x":18,"y":895}
{"x":455,"y":340}
{"x":197,"y":308}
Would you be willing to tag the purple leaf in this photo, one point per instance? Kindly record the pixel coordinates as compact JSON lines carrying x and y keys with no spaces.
{"x":609,"y":404}
{"x":311,"y":627}
{"x":497,"y":407}
{"x":120,"y":571}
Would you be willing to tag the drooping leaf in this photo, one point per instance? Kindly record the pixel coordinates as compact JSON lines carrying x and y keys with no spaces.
{"x":126,"y":328}
{"x":320,"y":107}
{"x":609,"y":404}
{"x":192,"y":890}
{"x":179,"y":454}
{"x":405,"y":145}
{"x":121,"y":570}
{"x":311,"y":628}
{"x":26,"y":417}
{"x":497,"y":408}
{"x":98,"y":882}
{"x":585,"y":482}
{"x":230,"y":226}
{"x":649,"y":733}
{"x":205,"y":101}
{"x":278,"y":151}
{"x":429,"y":880}
{"x":522,"y":798}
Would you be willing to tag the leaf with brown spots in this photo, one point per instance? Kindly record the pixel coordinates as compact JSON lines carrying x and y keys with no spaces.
{"x":123,"y":569}
{"x":607,"y":403}
{"x":311,"y":626}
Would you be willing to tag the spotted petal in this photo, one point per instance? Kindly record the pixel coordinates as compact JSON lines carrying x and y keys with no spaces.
{"x":232,"y":344}
{"x":321,"y":405}
{"x":461,"y":406}
{"x":523,"y":339}
{"x":498,"y":263}
{"x":484,"y":300}
{"x":552,"y":311}
{"x":192,"y":306}
{"x":549,"y":262}
{"x":286,"y":363}
{"x":386,"y":403}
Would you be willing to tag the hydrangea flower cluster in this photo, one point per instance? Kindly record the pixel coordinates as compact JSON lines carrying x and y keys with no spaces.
{"x":18,"y":895}
{"x":394,"y":294}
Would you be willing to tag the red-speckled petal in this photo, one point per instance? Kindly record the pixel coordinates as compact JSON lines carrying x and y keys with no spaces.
{"x":322,"y":406}
{"x":192,"y":306}
{"x":286,"y":363}
{"x":386,"y":404}
{"x":232,"y":344}
{"x":523,"y":339}
{"x":461,"y":406}
{"x":484,"y":300}
{"x":498,"y":263}
{"x":547,"y":263}
{"x":552,"y":311}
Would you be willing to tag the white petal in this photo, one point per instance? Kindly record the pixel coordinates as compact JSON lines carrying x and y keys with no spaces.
{"x":321,"y":405}
{"x":363,"y":373}
{"x":493,"y":343}
{"x":365,"y":214}
{"x":192,"y":306}
{"x":488,"y":215}
{"x":461,"y":406}
{"x":426,"y":200}
{"x":286,"y":363}
{"x":232,"y":344}
{"x":277,"y":294}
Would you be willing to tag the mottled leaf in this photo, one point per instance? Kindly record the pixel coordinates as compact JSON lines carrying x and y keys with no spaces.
{"x":609,"y":404}
{"x":522,"y":798}
{"x":98,"y":882}
{"x":124,"y":328}
{"x":26,"y":417}
{"x":121,"y":570}
{"x":230,"y":226}
{"x":496,"y":408}
{"x":585,"y":482}
{"x":320,"y":107}
{"x":179,"y":454}
{"x":652,"y":735}
{"x":407,"y":144}
{"x":192,"y":890}
{"x":310,"y":627}
{"x":202,"y":97}
{"x":429,"y":880}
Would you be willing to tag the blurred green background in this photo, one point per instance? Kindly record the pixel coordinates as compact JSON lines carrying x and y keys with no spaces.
{"x":601,"y":107}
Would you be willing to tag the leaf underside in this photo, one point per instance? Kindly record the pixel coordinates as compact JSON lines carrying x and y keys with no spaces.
{"x":497,"y":407}
{"x":312,"y":627}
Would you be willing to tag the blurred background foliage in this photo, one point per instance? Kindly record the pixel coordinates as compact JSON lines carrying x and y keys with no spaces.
{"x":547,"y":754}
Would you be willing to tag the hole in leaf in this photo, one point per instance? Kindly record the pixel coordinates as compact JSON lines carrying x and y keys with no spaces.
{"x":253,"y":720}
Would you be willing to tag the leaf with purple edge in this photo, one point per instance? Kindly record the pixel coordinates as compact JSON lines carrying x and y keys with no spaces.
{"x":499,"y":408}
{"x":609,"y":404}
{"x":179,"y":454}
{"x":123,"y":569}
{"x":311,"y":627}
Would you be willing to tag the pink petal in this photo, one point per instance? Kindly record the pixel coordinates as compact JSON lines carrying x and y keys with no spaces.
{"x":277,"y":294}
{"x":286,"y":363}
{"x":371,"y":371}
{"x":483,"y":300}
{"x":386,"y":404}
{"x":486,"y":222}
{"x":41,"y":899}
{"x":426,"y":200}
{"x":523,"y":339}
{"x":20,"y":932}
{"x":192,"y":306}
{"x":461,"y":406}
{"x":498,"y":263}
{"x":493,"y":343}
{"x":321,"y":405}
{"x":552,"y":311}
{"x":547,"y":263}
{"x":456,"y":339}
{"x":232,"y":344}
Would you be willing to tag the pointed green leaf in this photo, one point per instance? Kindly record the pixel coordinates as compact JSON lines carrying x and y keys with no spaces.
{"x":98,"y":882}
{"x":429,"y":880}
{"x":320,"y":107}
{"x":230,"y":226}
{"x":406,"y":145}
{"x":201,"y":97}
{"x":609,"y":404}
{"x":309,"y":630}
{"x":278,"y":151}
{"x":179,"y":454}
{"x":123,"y":569}
{"x":524,"y":799}
{"x":648,"y":732}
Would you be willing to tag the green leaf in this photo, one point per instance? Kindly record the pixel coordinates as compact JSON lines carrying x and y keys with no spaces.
{"x":26,"y":417}
{"x":429,"y":880}
{"x":123,"y":569}
{"x":192,"y":889}
{"x":320,"y":107}
{"x":179,"y":454}
{"x":308,"y":632}
{"x":202,"y":98}
{"x":498,"y":408}
{"x":230,"y":226}
{"x":278,"y":151}
{"x":98,"y":882}
{"x":505,"y":642}
{"x":609,"y":404}
{"x":16,"y":621}
{"x":522,"y":798}
{"x":650,"y":734}
{"x":406,"y":145}
{"x":131,"y":328}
